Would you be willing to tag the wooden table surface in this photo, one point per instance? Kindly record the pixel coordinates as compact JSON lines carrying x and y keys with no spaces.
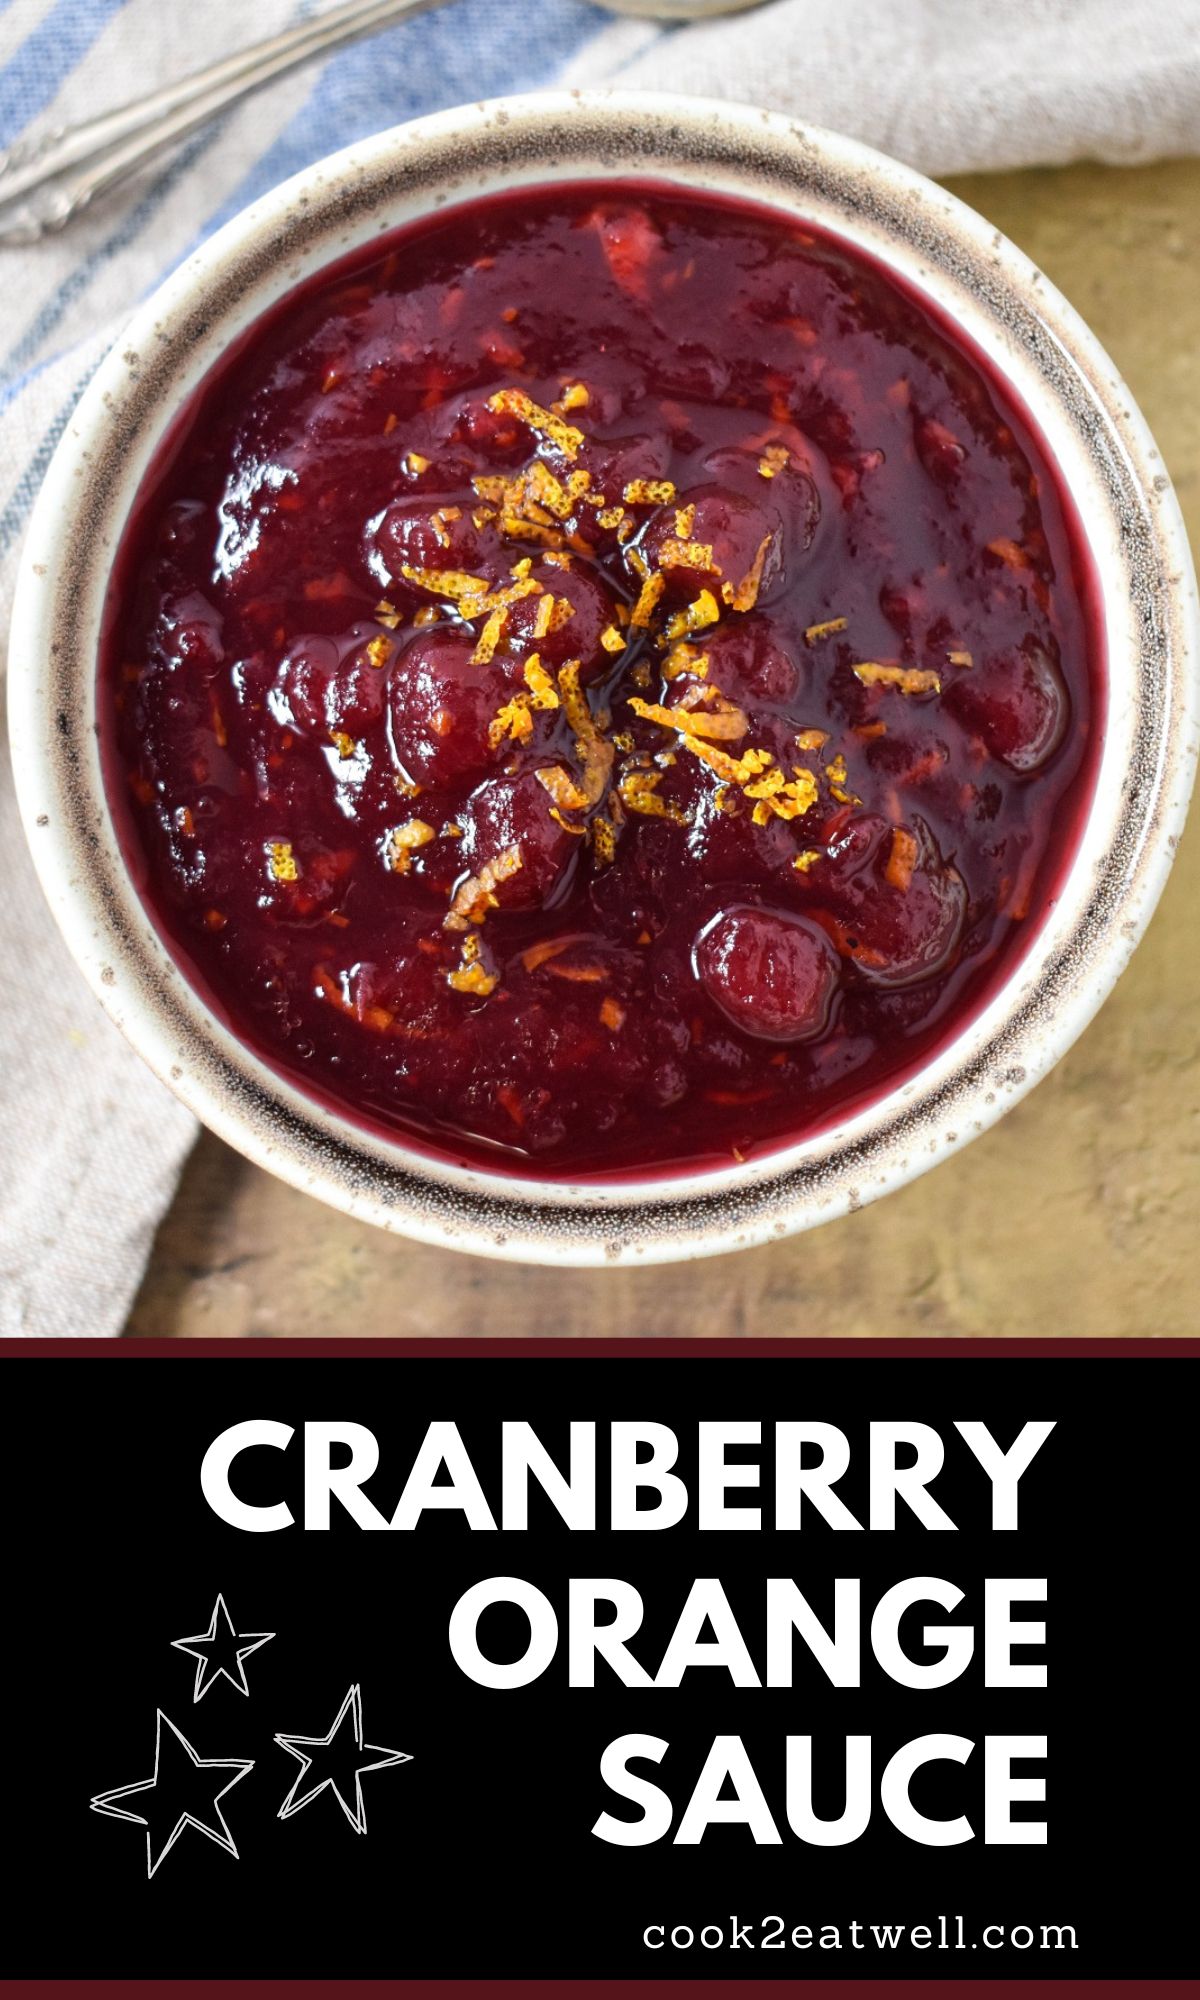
{"x":1076,"y":1215}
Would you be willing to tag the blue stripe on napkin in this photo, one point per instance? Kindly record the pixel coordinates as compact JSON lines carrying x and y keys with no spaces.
{"x":36,"y":71}
{"x":463,"y":51}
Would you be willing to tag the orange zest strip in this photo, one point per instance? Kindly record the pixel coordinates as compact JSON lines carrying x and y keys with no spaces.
{"x":909,"y":680}
{"x":677,"y":554}
{"x":639,"y":791}
{"x":515,"y":403}
{"x":902,"y":859}
{"x":376,"y":1018}
{"x":403,"y":841}
{"x":824,"y":630}
{"x":702,"y":611}
{"x":476,"y":896}
{"x":726,"y":725}
{"x":489,"y":638}
{"x":648,"y":492}
{"x":594,"y":751}
{"x":448,"y":583}
{"x":745,"y":597}
{"x":651,"y":590}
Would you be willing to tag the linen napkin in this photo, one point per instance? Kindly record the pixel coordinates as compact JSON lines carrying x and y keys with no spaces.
{"x":90,"y":1145}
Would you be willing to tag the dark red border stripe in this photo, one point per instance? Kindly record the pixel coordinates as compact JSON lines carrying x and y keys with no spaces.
{"x":599,"y":1989}
{"x":630,"y":1348}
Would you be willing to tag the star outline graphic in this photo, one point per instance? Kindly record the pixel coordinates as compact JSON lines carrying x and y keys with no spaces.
{"x":103,"y":1802}
{"x":385,"y":1759}
{"x":207,"y":1675}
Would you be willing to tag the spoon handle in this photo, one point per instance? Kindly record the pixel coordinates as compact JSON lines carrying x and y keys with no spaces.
{"x":47,"y":181}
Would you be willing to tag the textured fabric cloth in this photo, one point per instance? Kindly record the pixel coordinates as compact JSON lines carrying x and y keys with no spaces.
{"x":91,"y":1145}
{"x":950,"y":86}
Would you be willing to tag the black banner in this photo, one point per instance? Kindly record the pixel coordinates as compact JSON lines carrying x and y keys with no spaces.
{"x":884,"y":1671}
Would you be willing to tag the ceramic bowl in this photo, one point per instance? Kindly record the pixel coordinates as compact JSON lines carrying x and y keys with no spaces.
{"x":1033,"y":338}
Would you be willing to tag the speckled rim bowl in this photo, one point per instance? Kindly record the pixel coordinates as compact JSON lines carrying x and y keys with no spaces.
{"x":1032,"y":337}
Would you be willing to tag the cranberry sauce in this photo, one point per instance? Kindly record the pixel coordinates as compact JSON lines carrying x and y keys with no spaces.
{"x":606,"y":682}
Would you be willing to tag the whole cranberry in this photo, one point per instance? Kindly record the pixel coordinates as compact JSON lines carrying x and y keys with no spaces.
{"x":508,"y":813}
{"x":721,"y":521}
{"x":790,"y":494}
{"x":188,"y":633}
{"x":301,"y":683}
{"x":893,"y":904}
{"x":495,"y":435}
{"x":1016,"y":702}
{"x":772,"y":973}
{"x":749,"y":663}
{"x":939,"y":451}
{"x":616,"y":462}
{"x":574,"y":634}
{"x":328,"y":684}
{"x":419,"y":534}
{"x":442,"y":707}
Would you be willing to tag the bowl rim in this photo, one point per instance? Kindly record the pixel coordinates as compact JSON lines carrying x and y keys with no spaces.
{"x":952,"y":255}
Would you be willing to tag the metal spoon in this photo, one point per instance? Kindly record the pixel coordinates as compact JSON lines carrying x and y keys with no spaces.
{"x":46,"y":182}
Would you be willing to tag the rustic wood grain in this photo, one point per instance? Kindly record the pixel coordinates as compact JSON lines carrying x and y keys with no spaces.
{"x":1076,"y":1215}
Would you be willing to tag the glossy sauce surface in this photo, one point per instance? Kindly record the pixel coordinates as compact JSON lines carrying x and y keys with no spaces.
{"x":607,"y":684}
